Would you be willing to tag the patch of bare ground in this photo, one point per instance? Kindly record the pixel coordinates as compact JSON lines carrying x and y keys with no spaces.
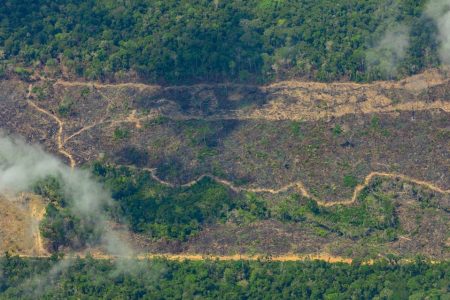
{"x":19,"y":224}
{"x":17,"y":117}
{"x":294,"y":100}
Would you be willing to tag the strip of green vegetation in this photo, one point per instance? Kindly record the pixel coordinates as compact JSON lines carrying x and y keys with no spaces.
{"x":373,"y":211}
{"x":162,"y":279}
{"x":162,"y":212}
{"x":179,"y":41}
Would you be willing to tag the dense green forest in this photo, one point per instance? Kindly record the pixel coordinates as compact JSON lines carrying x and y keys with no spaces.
{"x":174,"y":41}
{"x":162,"y":279}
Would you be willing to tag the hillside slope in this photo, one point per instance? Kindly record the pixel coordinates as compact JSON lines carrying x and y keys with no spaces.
{"x":379,"y":150}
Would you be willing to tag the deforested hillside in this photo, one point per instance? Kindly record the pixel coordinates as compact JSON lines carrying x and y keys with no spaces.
{"x":340,"y":170}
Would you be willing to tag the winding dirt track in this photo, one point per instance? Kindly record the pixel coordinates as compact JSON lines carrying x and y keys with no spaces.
{"x":301,"y":188}
{"x":59,"y":135}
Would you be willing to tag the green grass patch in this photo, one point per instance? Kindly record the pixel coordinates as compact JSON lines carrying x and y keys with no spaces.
{"x":121,"y":133}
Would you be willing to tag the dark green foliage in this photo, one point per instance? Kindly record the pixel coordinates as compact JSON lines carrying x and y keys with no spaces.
{"x":163,"y":212}
{"x":64,"y":230}
{"x":176,"y":213}
{"x":350,"y":181}
{"x":60,"y":226}
{"x":131,"y":155}
{"x":312,"y":206}
{"x":65,"y":107}
{"x":255,"y":206}
{"x":374,"y":211}
{"x":121,"y":133}
{"x":179,"y":41}
{"x":249,"y":209}
{"x":291,"y":209}
{"x":162,"y":279}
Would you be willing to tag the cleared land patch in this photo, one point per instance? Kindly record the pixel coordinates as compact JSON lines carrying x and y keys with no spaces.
{"x":326,"y":143}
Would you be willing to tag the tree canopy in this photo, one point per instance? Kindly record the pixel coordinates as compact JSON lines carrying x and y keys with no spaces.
{"x":175,"y":41}
{"x":162,"y":279}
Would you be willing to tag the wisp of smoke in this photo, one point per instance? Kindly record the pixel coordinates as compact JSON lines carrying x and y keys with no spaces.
{"x":23,"y":165}
{"x":389,"y":51}
{"x":439,"y":11}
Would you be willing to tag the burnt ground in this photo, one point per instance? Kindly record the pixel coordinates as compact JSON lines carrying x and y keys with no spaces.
{"x":253,"y":136}
{"x":275,"y":153}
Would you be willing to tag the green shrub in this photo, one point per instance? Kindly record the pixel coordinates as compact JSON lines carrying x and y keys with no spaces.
{"x":296,"y":129}
{"x":121,"y":133}
{"x":23,"y":73}
{"x":337,"y":130}
{"x":350,"y":181}
{"x":65,"y":107}
{"x":85,"y":91}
